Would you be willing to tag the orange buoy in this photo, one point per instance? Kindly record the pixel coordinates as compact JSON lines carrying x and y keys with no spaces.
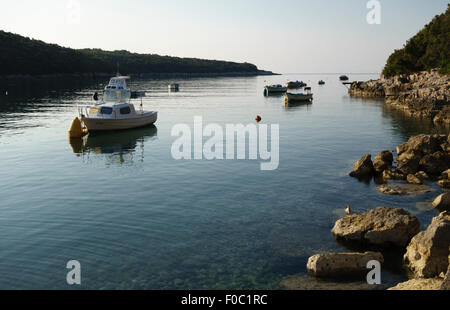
{"x":258,"y":118}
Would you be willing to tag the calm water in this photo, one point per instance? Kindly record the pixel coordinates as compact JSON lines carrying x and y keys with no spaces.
{"x":137,"y":219}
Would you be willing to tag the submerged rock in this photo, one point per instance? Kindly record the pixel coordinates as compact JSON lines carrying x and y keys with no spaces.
{"x":363,"y":168}
{"x":382,"y":226}
{"x":427,"y":253}
{"x":418,"y":284}
{"x":404,"y":189}
{"x":305,"y":282}
{"x":341,"y":264}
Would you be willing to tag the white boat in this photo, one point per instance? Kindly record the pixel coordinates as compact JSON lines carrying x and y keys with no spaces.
{"x":173,"y":87}
{"x":116,"y":112}
{"x":275,"y":89}
{"x":306,"y":96}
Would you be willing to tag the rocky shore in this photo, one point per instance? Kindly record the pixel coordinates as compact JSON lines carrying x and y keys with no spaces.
{"x":425,"y":255}
{"x":425,"y":94}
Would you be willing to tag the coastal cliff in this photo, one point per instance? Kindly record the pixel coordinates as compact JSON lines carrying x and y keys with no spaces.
{"x":423,"y":94}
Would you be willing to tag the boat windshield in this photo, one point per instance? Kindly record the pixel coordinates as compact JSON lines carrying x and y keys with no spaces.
{"x":106,"y":110}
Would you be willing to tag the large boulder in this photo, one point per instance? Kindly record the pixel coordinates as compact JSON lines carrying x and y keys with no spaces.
{"x":442,"y":202}
{"x":422,"y":144}
{"x":435,"y":163}
{"x":341,"y":264}
{"x":418,"y":285}
{"x":408,"y":163}
{"x":383,"y":226}
{"x":363,"y":168}
{"x":427,"y":253}
{"x":383,"y":161}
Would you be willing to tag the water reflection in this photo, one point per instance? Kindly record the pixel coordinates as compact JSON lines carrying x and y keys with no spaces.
{"x":407,"y":126}
{"x":292,"y":105}
{"x":117,"y":147}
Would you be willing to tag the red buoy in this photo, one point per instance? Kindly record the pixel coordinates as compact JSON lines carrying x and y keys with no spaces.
{"x":258,"y":118}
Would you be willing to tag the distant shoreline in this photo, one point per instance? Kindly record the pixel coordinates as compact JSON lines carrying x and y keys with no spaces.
{"x":95,"y":75}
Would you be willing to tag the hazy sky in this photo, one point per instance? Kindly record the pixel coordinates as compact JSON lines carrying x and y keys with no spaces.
{"x":282,"y":36}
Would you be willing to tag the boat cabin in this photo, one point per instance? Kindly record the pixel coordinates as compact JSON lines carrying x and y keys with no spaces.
{"x":116,"y":90}
{"x":123,"y":110}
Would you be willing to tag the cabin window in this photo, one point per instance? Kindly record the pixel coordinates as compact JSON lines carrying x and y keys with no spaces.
{"x":106,"y":110}
{"x":125,"y":110}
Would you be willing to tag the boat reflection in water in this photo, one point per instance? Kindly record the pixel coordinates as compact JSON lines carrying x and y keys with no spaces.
{"x":297,"y":105}
{"x":118,"y":147}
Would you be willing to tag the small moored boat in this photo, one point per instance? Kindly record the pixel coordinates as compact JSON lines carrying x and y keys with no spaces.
{"x":305,"y":96}
{"x":321,"y":82}
{"x":296,"y":84}
{"x":173,"y":87}
{"x":270,"y":89}
{"x":116,"y":111}
{"x":343,"y":78}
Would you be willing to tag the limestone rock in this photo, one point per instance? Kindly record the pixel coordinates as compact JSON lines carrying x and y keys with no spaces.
{"x":363,"y":168}
{"x":422,"y":175}
{"x":435,"y":163}
{"x":383,"y":226}
{"x":412,"y":179}
{"x":445,"y":183}
{"x":442,"y":202}
{"x":404,"y":189}
{"x":418,"y":284}
{"x":393,"y":175}
{"x":341,"y":264}
{"x":421,"y":145}
{"x":427,"y":253}
{"x":383,"y":161}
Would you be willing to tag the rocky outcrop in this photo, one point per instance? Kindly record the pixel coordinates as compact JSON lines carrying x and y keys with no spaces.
{"x":427,"y":253}
{"x":423,"y":153}
{"x":363,"y":168}
{"x":382,"y":226}
{"x":442,"y":202}
{"x":418,"y":284}
{"x":383,"y":161}
{"x":341,"y":264}
{"x":425,"y":94}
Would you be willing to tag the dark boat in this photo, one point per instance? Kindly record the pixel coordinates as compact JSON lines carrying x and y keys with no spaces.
{"x":321,"y":82}
{"x":343,"y":78}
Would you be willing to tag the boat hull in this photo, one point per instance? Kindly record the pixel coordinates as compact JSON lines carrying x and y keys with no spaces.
{"x":299,"y":97}
{"x":276,"y":89}
{"x":105,"y":124}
